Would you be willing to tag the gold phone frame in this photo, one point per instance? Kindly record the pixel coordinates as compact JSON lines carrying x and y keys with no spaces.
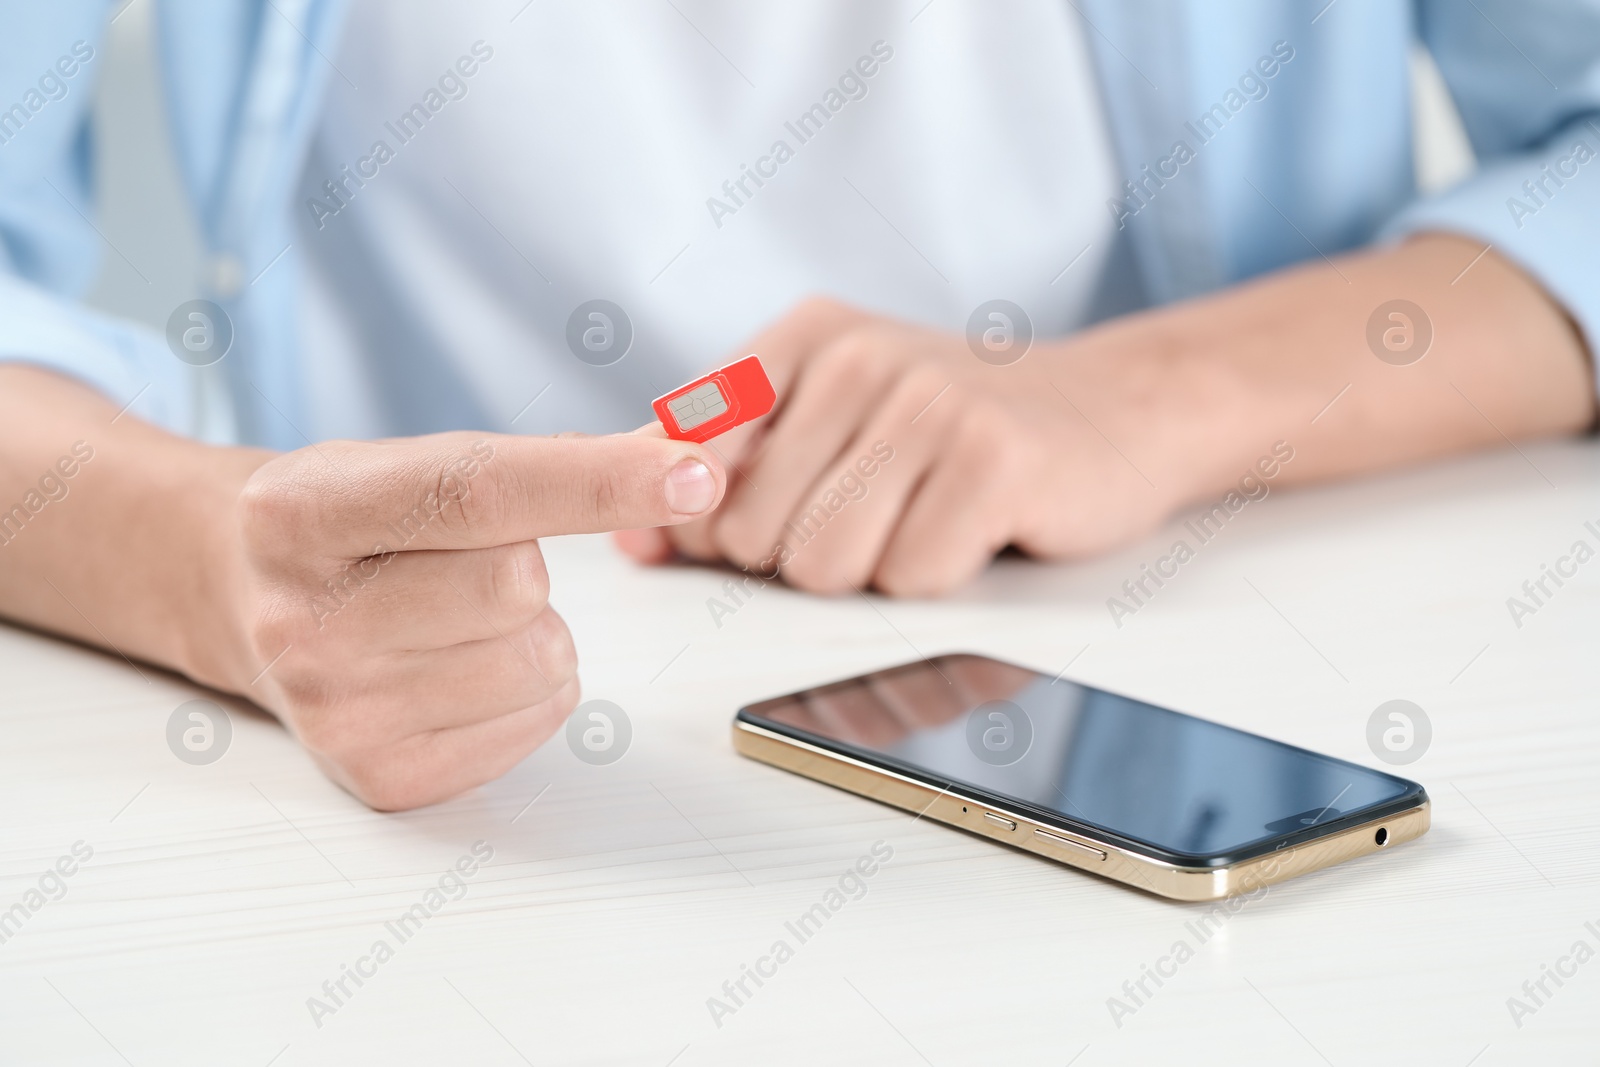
{"x":1076,"y":848}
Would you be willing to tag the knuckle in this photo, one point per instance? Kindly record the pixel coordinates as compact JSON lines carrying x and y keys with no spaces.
{"x":891,"y":580}
{"x":816,"y":305}
{"x":289,"y":492}
{"x":916,"y":571}
{"x":985,"y":431}
{"x":464,"y":507}
{"x":920,"y":382}
{"x":322,"y":722}
{"x":821,"y":575}
{"x":899,"y":581}
{"x":519,"y":584}
{"x":271,"y":505}
{"x":850,"y":360}
{"x":274,"y":629}
{"x":742,"y":536}
{"x":552,"y":648}
{"x":917,"y":397}
{"x":608,"y":494}
{"x":862,"y":356}
{"x":388,"y":781}
{"x":819,"y":311}
{"x":702,"y":539}
{"x":565,"y":699}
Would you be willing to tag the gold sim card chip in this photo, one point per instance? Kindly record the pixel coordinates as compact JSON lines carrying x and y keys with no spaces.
{"x":698,"y":405}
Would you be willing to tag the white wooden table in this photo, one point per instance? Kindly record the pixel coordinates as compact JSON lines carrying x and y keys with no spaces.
{"x":219,"y":898}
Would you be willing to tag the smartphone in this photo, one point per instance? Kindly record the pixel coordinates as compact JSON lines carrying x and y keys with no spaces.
{"x":1162,"y":801}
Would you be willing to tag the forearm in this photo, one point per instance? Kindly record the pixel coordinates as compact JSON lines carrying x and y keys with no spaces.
{"x":1287,"y":358}
{"x":126,"y":550}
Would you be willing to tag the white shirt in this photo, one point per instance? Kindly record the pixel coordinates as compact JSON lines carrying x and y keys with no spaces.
{"x":585,"y":156}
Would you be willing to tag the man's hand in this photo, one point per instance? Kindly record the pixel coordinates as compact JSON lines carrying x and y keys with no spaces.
{"x":1088,"y":442}
{"x":899,"y":460}
{"x":387,"y":601}
{"x":398,"y":592}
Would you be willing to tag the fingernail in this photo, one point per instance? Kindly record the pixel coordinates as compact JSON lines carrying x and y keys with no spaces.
{"x":690,"y":487}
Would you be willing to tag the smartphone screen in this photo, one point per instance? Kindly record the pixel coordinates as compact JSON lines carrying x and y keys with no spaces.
{"x":1196,"y":791}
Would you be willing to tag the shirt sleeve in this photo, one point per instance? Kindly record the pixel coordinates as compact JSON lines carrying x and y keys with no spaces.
{"x":50,"y":248}
{"x":1525,"y":75}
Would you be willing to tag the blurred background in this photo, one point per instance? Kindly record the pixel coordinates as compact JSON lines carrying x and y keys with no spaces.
{"x":144,"y":213}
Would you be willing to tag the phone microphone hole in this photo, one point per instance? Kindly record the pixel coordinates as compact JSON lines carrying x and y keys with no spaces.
{"x":1382,"y":836}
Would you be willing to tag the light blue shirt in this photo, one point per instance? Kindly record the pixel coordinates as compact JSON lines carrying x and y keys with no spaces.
{"x":1324,"y":166}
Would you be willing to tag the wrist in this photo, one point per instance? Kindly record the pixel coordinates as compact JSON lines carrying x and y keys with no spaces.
{"x":1162,"y":386}
{"x":211,"y":638}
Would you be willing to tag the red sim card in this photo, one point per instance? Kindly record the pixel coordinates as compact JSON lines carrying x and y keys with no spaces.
{"x":716,"y":403}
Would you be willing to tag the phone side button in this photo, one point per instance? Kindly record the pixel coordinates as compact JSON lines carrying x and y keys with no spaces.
{"x":1070,"y":845}
{"x":999,"y":821}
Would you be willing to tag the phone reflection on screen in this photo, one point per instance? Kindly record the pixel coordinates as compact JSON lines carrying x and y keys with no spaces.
{"x":1180,"y":783}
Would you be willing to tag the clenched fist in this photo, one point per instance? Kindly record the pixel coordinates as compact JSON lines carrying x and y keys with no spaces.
{"x":1090,"y":440}
{"x":896,"y":458}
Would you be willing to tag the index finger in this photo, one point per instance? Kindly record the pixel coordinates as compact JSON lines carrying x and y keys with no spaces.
{"x":459,"y":491}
